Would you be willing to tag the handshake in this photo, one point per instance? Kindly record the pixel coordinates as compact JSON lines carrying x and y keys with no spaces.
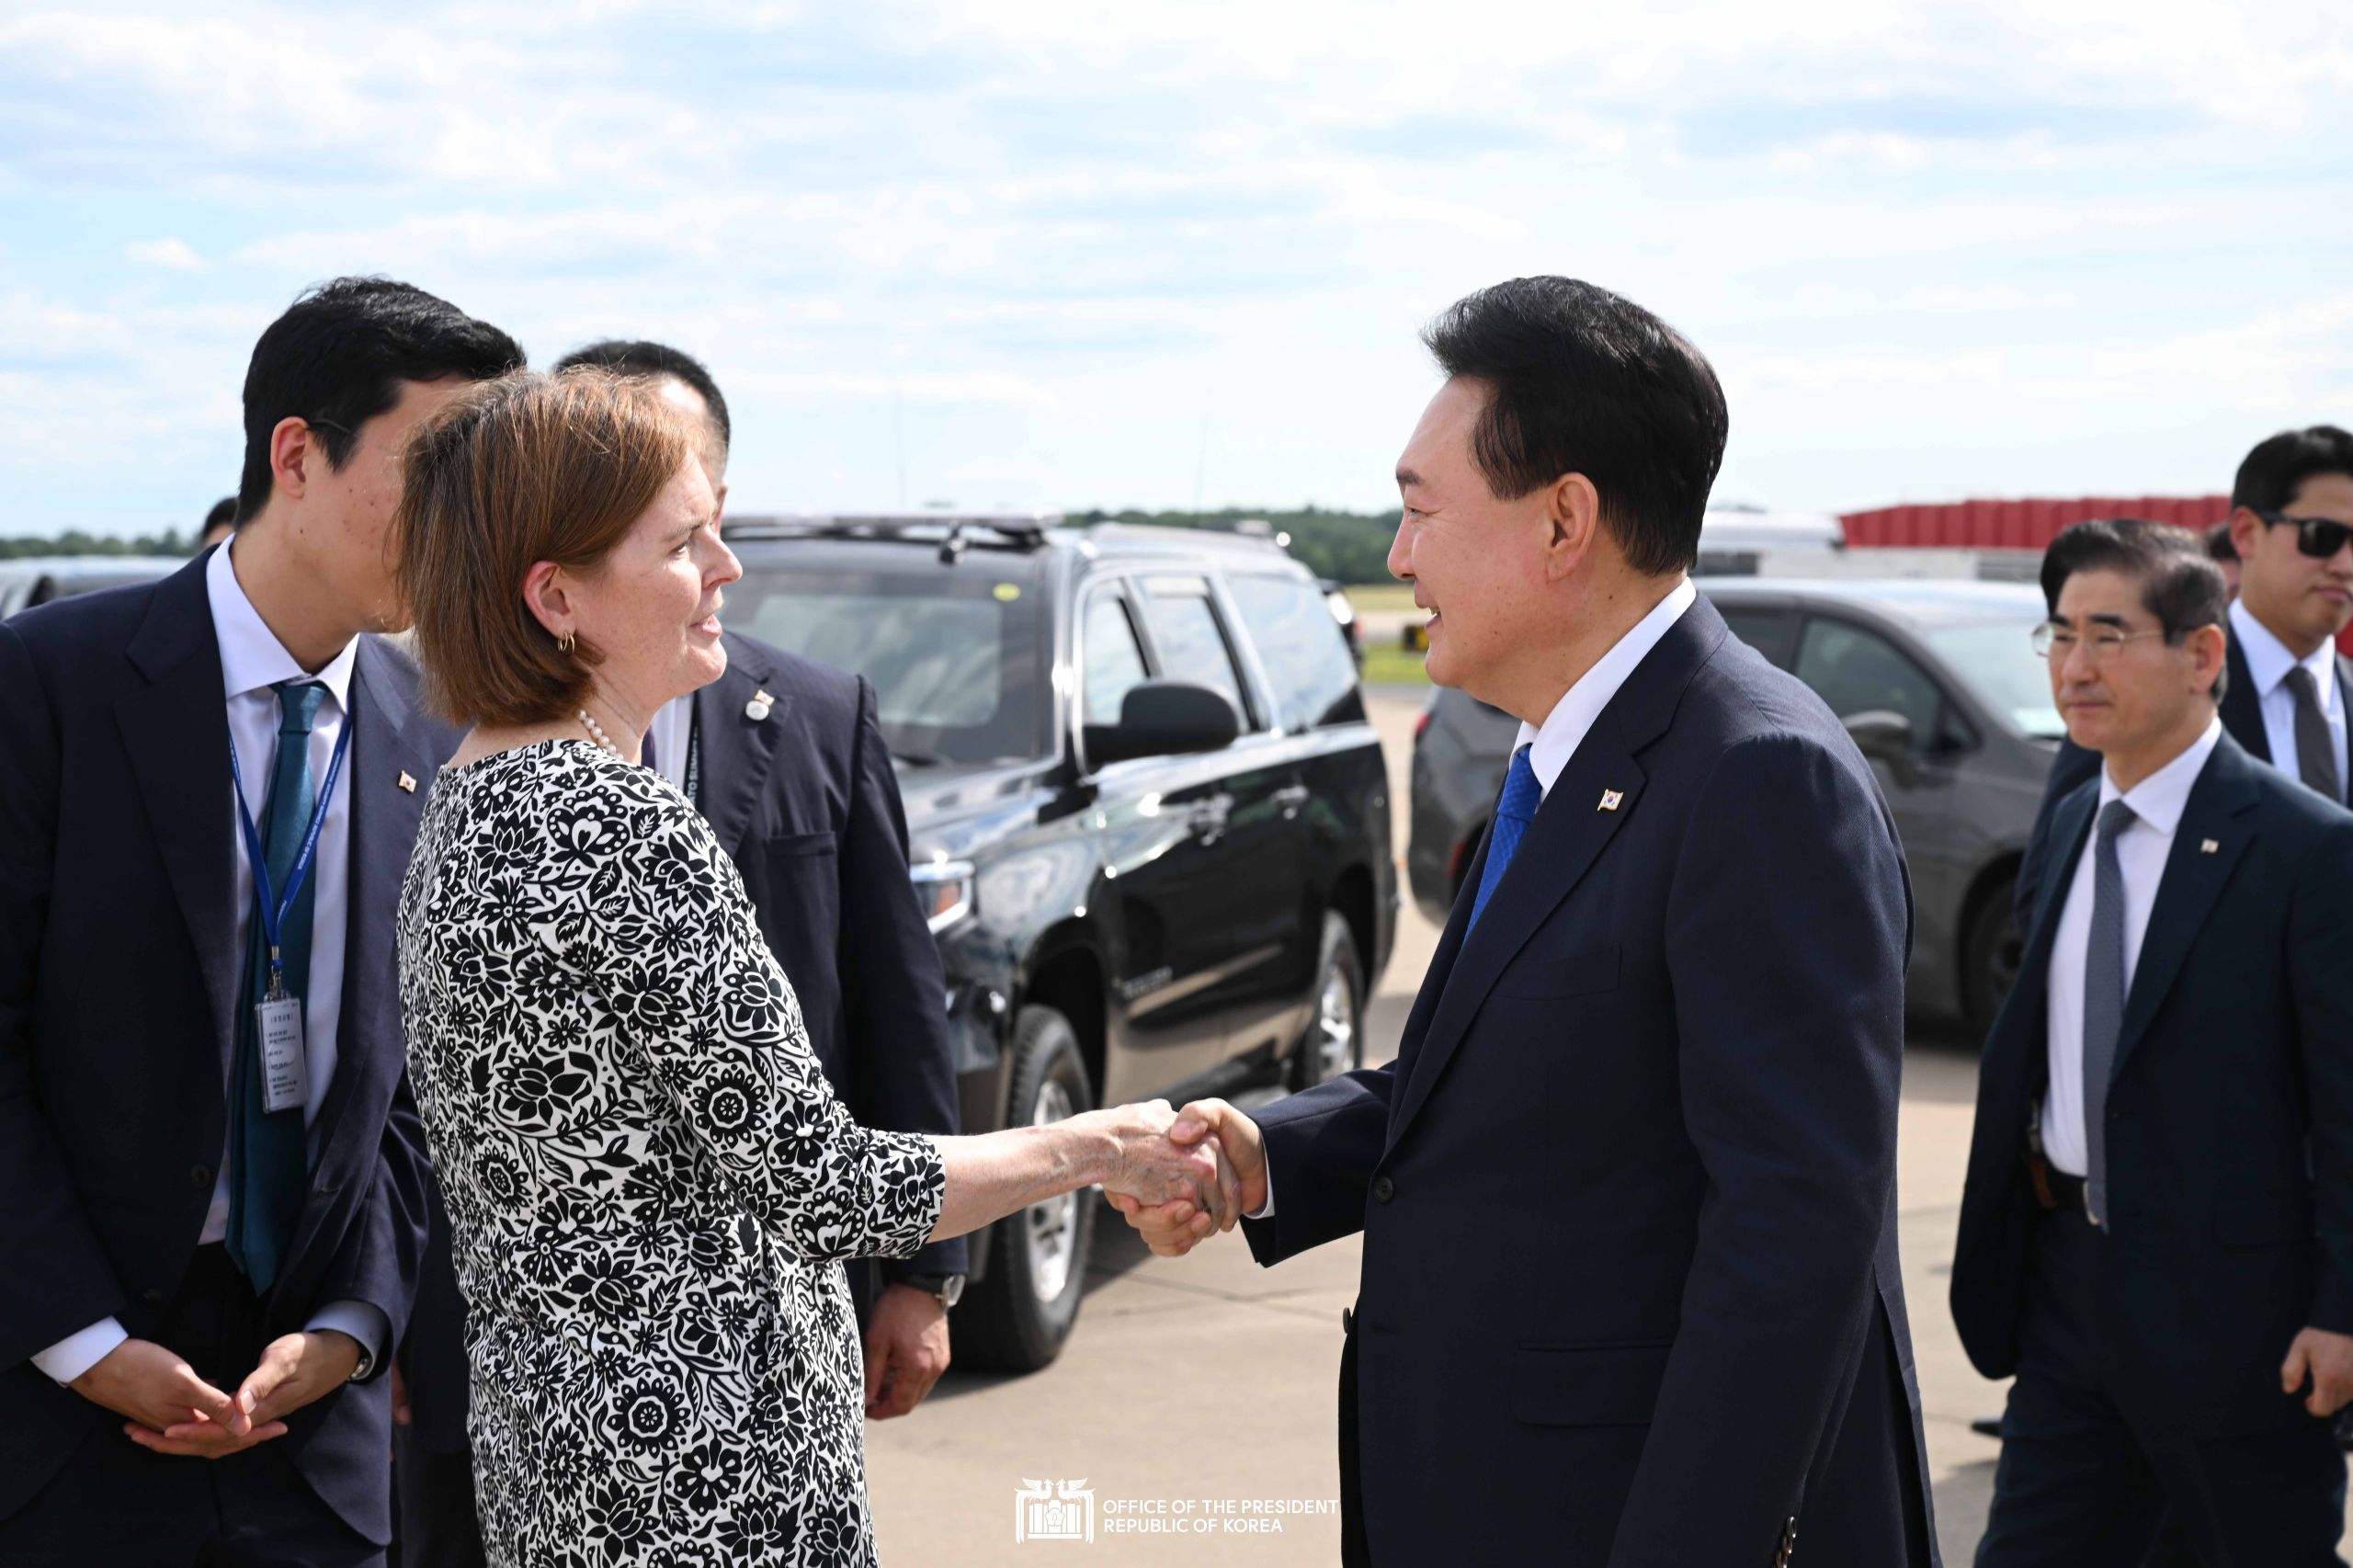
{"x":1183,"y":1175}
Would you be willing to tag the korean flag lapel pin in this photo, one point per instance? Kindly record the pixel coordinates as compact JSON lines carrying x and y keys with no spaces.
{"x":408,"y":783}
{"x":1611,"y":800}
{"x":2211,"y":847}
{"x":758,"y":709}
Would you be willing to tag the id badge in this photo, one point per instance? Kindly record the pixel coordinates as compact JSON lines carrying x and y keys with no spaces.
{"x":285,"y":1073}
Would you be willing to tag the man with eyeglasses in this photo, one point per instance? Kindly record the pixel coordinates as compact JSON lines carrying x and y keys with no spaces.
{"x":2291,"y":518}
{"x":2156,"y":1232}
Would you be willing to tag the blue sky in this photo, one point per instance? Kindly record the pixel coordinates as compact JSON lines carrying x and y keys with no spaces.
{"x":1061,"y":255}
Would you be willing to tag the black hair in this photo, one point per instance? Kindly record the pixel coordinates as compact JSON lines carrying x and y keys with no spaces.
{"x":2220,"y":546}
{"x":2179,"y":584}
{"x":641,"y":356}
{"x":336,"y":360}
{"x":2267,"y":481}
{"x":223,"y":511}
{"x":1584,"y":382}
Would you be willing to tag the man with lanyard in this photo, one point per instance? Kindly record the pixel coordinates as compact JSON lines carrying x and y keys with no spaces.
{"x":786,"y":759}
{"x":213,"y":1168}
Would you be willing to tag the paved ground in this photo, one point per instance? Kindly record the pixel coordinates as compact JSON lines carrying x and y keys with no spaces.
{"x":1198,"y":1385}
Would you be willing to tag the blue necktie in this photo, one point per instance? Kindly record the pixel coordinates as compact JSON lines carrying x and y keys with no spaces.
{"x":269,"y":1162}
{"x":1513,"y":811}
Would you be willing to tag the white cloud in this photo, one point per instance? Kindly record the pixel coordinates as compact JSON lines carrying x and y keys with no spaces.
{"x":177,"y":254}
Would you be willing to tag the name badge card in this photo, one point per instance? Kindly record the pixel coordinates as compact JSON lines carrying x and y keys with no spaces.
{"x":284,"y":1072}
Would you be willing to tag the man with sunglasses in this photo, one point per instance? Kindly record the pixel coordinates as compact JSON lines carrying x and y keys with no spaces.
{"x":2156,"y":1232}
{"x":2291,"y":518}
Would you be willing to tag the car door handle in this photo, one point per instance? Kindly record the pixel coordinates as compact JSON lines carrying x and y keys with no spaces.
{"x":1209,"y":818}
{"x":1290,"y":797}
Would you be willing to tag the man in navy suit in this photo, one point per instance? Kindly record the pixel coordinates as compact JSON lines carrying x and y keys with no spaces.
{"x":2290,"y":536}
{"x":2156,"y":1234}
{"x":1629,"y":1292}
{"x":786,"y":759}
{"x":214,"y":1171}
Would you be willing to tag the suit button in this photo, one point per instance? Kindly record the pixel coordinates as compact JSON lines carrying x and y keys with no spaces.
{"x":151,"y":1300}
{"x":1383,"y":1188}
{"x":199,"y":1177}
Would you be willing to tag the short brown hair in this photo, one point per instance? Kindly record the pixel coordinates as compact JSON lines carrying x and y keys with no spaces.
{"x":524,"y":469}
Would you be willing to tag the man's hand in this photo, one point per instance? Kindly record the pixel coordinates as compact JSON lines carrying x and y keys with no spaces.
{"x":402,"y":1415}
{"x":1172,"y":1230}
{"x":2327,"y":1358}
{"x":156,"y":1387}
{"x":906,"y":1349}
{"x":294,"y":1371}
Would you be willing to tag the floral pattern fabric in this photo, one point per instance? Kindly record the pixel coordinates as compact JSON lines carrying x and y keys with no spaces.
{"x":649,"y":1181}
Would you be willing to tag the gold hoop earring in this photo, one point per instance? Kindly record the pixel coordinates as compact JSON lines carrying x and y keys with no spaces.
{"x":566,"y":641}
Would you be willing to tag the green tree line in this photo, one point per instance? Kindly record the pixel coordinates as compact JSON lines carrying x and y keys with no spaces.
{"x":74,"y":541}
{"x":1350,"y":547}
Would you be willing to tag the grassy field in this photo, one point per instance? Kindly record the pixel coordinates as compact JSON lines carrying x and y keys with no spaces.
{"x":1396,"y":596}
{"x":1386,"y":664}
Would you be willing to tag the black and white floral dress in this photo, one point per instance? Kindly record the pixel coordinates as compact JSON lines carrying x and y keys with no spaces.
{"x":649,"y":1182}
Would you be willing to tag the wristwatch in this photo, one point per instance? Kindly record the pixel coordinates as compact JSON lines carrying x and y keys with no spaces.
{"x":949,"y":1288}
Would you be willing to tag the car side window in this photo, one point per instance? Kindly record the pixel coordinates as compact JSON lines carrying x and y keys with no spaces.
{"x":1856,"y":671}
{"x":1192,"y":644}
{"x":1305,"y":654}
{"x":1765,"y":628}
{"x":1114,"y":663}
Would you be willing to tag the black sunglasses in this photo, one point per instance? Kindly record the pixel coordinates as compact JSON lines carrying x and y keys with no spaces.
{"x":2319,"y":538}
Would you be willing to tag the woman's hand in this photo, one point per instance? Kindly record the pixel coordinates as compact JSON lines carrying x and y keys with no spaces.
{"x":1152,"y":1169}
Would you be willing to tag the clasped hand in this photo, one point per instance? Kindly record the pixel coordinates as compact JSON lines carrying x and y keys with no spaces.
{"x":1166,"y":1161}
{"x":173,"y":1411}
{"x":1172,"y":1226}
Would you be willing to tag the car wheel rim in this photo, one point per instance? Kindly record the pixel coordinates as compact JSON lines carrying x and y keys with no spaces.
{"x":1050,"y":1229}
{"x":1335,"y":1024}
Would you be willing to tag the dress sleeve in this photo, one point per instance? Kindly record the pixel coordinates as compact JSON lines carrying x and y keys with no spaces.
{"x":672,"y":949}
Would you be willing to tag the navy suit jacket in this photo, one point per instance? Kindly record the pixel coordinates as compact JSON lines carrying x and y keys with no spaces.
{"x":2230,"y":1109}
{"x":1630,"y":1289}
{"x":2242,"y":718}
{"x":805,"y":802}
{"x":120,"y":973}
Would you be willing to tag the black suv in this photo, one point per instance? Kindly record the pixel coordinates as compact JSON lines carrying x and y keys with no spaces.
{"x":1149,"y":821}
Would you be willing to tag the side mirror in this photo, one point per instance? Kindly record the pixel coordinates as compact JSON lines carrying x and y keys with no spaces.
{"x":1884,"y":737}
{"x":1164,"y":718}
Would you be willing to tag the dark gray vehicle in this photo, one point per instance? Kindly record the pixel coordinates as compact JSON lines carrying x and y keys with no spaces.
{"x":30,"y":580}
{"x":1937,"y":681}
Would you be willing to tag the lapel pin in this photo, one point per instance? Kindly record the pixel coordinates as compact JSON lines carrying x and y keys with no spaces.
{"x":758,"y":709}
{"x":408,"y":785}
{"x":2209,"y":847}
{"x":1611,"y":800}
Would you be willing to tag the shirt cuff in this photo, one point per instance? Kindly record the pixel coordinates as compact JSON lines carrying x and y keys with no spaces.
{"x":76,"y":1354}
{"x":364,"y":1322}
{"x":1265,"y":1211}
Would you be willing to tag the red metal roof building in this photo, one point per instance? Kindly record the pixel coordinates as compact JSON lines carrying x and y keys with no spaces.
{"x":2017,"y":525}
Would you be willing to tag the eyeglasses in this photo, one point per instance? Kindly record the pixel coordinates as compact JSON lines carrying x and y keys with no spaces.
{"x":331,"y":425}
{"x":2054,"y":640}
{"x":2319,"y":538}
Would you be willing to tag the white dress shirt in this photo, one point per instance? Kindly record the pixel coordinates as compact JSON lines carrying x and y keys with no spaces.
{"x":2158,"y":802}
{"x":252,"y":661}
{"x":2268,"y":660}
{"x":1555,"y":741}
{"x":671,"y":732}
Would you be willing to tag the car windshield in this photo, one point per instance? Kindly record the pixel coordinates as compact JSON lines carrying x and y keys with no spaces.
{"x":1997,"y":659}
{"x":954,"y":651}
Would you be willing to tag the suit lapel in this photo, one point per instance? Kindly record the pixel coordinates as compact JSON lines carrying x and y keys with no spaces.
{"x":1569,"y":834}
{"x":2193,"y":878}
{"x":736,"y":750}
{"x":2242,"y":708}
{"x":176,"y":733}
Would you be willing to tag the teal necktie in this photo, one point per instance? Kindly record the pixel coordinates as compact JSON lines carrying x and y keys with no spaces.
{"x":269,"y":1162}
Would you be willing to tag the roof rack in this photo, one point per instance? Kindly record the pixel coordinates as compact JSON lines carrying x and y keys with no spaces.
{"x":954,"y":531}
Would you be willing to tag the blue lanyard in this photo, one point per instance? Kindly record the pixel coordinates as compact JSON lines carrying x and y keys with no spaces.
{"x":274,"y":908}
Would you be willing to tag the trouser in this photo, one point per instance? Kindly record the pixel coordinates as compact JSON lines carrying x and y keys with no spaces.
{"x":116,"y":1503}
{"x":2091,"y":1465}
{"x":438,"y":1524}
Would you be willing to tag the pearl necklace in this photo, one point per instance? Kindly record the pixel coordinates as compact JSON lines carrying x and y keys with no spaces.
{"x":597,"y":733}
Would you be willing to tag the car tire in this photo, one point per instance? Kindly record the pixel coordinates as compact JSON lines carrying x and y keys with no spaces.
{"x":1334,"y":1043}
{"x":1015,"y":1316}
{"x":1990,"y":954}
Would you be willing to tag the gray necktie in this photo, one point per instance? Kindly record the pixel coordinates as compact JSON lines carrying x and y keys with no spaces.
{"x":2315,"y":748}
{"x":2103,"y":994}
